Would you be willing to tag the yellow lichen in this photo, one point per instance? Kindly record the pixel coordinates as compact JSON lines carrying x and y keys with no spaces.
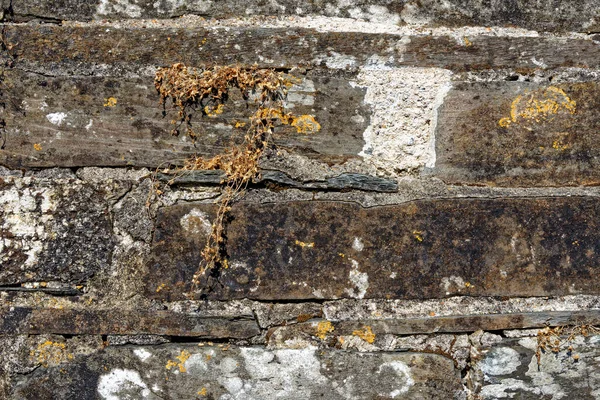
{"x":417,"y":235}
{"x":110,"y":102}
{"x":538,"y":106}
{"x":323,"y":328}
{"x":214,"y":111}
{"x":468,"y":43}
{"x":306,"y":124}
{"x":203,"y":392}
{"x":182,"y":357}
{"x":37,"y":147}
{"x":50,"y":352}
{"x":160,"y":287}
{"x":366,"y":334}
{"x":304,"y":244}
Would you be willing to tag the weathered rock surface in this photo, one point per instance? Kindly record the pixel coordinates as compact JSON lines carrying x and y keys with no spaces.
{"x":519,"y":134}
{"x":555,"y":15}
{"x":425,"y":249}
{"x":188,"y":371}
{"x":52,"y":231}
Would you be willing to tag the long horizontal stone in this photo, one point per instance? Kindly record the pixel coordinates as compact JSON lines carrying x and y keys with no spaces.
{"x":186,"y":371}
{"x":91,"y":49}
{"x":111,"y":121}
{"x":444,"y":324}
{"x":52,"y":231}
{"x":345,"y":181}
{"x":37,"y":321}
{"x":520,"y":134}
{"x":419,"y":250}
{"x":575,"y":15}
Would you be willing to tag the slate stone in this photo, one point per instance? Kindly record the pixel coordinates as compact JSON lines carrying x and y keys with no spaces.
{"x":417,"y":250}
{"x":520,"y":134}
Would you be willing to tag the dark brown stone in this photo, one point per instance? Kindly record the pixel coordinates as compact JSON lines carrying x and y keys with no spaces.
{"x":83,"y":50}
{"x":37,"y":321}
{"x":520,"y":134}
{"x":424,"y":249}
{"x":69,"y":121}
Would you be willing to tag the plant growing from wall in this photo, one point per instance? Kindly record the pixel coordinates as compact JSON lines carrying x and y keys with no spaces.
{"x":206,"y":90}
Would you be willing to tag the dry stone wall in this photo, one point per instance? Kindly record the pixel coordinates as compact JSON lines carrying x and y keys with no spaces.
{"x":435,"y":237}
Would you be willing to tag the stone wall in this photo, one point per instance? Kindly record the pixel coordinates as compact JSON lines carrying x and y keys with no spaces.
{"x":438,"y":237}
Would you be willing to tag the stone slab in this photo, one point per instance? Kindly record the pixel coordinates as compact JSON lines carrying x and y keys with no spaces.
{"x":520,"y":134}
{"x":178,"y":371}
{"x":417,"y":250}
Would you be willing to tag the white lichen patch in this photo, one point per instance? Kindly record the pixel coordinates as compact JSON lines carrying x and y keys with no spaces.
{"x":285,"y":372}
{"x":196,"y":222}
{"x":111,"y":385}
{"x":56,"y":118}
{"x":402,"y":371}
{"x":400,"y":136}
{"x":171,"y":6}
{"x":501,"y":361}
{"x":142,"y":354}
{"x":360,"y":280}
{"x":27,"y":212}
{"x":452,"y":284}
{"x":302,"y":93}
{"x":357,"y":244}
{"x":122,"y":8}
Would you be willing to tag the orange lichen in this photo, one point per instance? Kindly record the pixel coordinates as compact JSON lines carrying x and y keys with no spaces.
{"x":366,"y":334}
{"x":323,"y":328}
{"x":37,"y":147}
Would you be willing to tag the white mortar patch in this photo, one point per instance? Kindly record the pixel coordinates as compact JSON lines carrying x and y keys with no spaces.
{"x":27,"y":216}
{"x":110,"y":385}
{"x":404,"y":101}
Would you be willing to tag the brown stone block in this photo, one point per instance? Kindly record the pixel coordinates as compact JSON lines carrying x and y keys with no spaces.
{"x":419,"y":250}
{"x":520,"y":134}
{"x":109,"y":121}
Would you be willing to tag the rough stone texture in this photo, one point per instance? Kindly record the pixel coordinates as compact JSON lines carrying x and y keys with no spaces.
{"x":425,"y":249}
{"x":519,"y":134}
{"x":69,"y":121}
{"x":188,"y":371}
{"x":52,"y":231}
{"x":419,"y":246}
{"x":21,"y":320}
{"x":116,"y":49}
{"x":555,"y":15}
{"x":512,"y":370}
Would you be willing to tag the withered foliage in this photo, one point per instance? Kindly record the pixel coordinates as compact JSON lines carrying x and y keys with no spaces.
{"x":207,"y":90}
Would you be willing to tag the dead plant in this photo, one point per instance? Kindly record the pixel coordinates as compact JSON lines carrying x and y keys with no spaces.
{"x":207,"y":90}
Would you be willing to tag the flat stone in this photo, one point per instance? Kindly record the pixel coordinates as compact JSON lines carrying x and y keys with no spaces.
{"x":417,"y":250}
{"x":70,"y":122}
{"x":52,"y":231}
{"x":520,"y":134}
{"x":37,"y":321}
{"x":102,"y":50}
{"x":188,"y":371}
{"x":555,"y":15}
